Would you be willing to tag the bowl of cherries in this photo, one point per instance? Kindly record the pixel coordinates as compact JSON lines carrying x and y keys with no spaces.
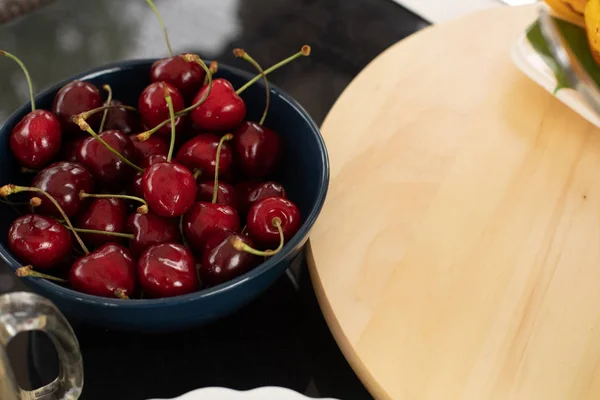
{"x":156,"y":195}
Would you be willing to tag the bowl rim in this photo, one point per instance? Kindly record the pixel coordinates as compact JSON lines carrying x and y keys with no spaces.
{"x":309,"y":221}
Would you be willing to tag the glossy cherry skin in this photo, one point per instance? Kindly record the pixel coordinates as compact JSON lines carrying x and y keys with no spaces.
{"x":222,"y":111}
{"x":225,"y":193}
{"x":186,"y":76}
{"x":138,"y":178}
{"x":74,"y":98}
{"x":167,"y":270}
{"x":150,"y":229}
{"x":169,"y":188}
{"x":102,"y":215}
{"x":155,"y":145}
{"x":69,"y":149}
{"x":259,"y":192}
{"x":204,"y":219}
{"x":200,"y":152}
{"x":63,"y":180}
{"x":257,"y":150}
{"x":221,"y":262}
{"x":243,"y":188}
{"x":109,"y":170}
{"x":259,"y":222}
{"x":39,"y":241}
{"x":36,"y":139}
{"x":123,"y":120}
{"x":104,"y":271}
{"x":136,"y":188}
{"x":153,"y":107}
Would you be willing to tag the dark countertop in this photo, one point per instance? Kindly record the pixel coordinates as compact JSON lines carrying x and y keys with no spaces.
{"x":281,"y":339}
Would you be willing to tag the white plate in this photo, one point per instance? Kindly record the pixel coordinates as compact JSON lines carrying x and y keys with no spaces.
{"x":265,"y":393}
{"x":530,"y":62}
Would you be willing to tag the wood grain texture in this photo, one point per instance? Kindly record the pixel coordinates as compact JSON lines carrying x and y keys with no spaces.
{"x":458,"y":253}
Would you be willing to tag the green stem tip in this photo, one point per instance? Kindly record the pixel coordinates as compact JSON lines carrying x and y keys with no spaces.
{"x":225,"y":137}
{"x":239,"y":244}
{"x":9,"y":189}
{"x":304,"y":52}
{"x":162,"y":25}
{"x":108,"y":89}
{"x":27,"y":271}
{"x":241,"y":53}
{"x":25,"y":71}
{"x":84,"y":126}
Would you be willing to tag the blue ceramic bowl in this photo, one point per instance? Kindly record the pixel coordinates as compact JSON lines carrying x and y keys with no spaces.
{"x":305,"y":175}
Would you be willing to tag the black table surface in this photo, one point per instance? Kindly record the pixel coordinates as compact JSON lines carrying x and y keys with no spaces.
{"x":281,"y":339}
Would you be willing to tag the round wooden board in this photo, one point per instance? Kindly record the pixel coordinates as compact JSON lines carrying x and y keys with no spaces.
{"x":458,"y":253}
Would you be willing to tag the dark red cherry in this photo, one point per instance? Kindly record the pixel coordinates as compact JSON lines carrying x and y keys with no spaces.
{"x":36,"y":139}
{"x":136,"y":185}
{"x":154,"y":110}
{"x":150,"y":229}
{"x":152,"y":146}
{"x":225,"y":193}
{"x":167,"y":270}
{"x":259,"y":192}
{"x":260,"y":222}
{"x":221,"y":262}
{"x":169,"y":188}
{"x":102,"y":215}
{"x":222,"y":111}
{"x":69,"y":149}
{"x":122,"y":119}
{"x":74,"y":98}
{"x":257,"y":150}
{"x":63,"y":180}
{"x":109,"y":170}
{"x":200,"y":152}
{"x":153,"y":159}
{"x":186,"y":76}
{"x":204,"y":219}
{"x":107,"y":272}
{"x":40,"y":241}
{"x":243,"y":188}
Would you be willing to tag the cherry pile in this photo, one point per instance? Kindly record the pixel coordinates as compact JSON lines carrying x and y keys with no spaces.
{"x":163,"y":199}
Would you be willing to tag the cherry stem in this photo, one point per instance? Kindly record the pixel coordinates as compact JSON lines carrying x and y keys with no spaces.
{"x":169,"y":101}
{"x":225,"y":137}
{"x":239,"y":244}
{"x":241,"y":53}
{"x":26,"y":170}
{"x":86,"y":114}
{"x":107,"y":233}
{"x":195,"y":58}
{"x":24,"y":68}
{"x":84,"y":126}
{"x":197,"y":173}
{"x":181,"y":231}
{"x":162,"y":24}
{"x":9,"y":189}
{"x":213,"y":68}
{"x":120,"y":293}
{"x":27,"y":271}
{"x":35,"y":202}
{"x":304,"y":51}
{"x":190,"y":58}
{"x":143,"y":209}
{"x":108,"y":100}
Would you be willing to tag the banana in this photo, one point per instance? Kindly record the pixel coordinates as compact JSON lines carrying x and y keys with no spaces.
{"x":592,"y":27}
{"x":569,"y":10}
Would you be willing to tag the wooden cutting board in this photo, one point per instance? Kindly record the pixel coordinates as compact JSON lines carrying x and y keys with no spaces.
{"x":458,"y":253}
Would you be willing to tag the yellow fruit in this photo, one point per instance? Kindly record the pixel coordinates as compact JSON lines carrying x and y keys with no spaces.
{"x":592,"y":26}
{"x":569,"y":10}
